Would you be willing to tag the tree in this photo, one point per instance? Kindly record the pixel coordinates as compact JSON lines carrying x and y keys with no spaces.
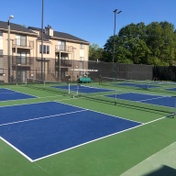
{"x":95,"y":53}
{"x":120,"y":51}
{"x":130,"y":46}
{"x":133,"y":31}
{"x":154,"y":44}
{"x":160,"y":40}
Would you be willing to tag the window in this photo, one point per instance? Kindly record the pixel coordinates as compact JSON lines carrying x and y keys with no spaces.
{"x":61,"y":45}
{"x":21,"y":40}
{"x":46,"y":49}
{"x":81,"y":58}
{"x":81,"y":46}
{"x":40,"y":48}
{"x":1,"y":71}
{"x":1,"y":64}
{"x":1,"y":43}
{"x":1,"y":52}
{"x":81,"y":65}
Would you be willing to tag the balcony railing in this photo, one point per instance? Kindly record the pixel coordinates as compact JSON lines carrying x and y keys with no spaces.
{"x":64,"y":63}
{"x":22,"y":61}
{"x":22,"y":43}
{"x":63,"y":48}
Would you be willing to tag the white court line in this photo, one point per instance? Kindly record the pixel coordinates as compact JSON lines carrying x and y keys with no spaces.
{"x":138,"y":126}
{"x":51,"y":96}
{"x":142,"y":124}
{"x":18,"y":100}
{"x":13,"y":92}
{"x":19,"y":151}
{"x":27,"y":103}
{"x":95,"y":88}
{"x":154,"y":120}
{"x":151,"y":99}
{"x":6,"y":93}
{"x":119,"y":117}
{"x":30,"y":103}
{"x":51,"y":116}
{"x":39,"y":118}
{"x":27,"y":99}
{"x":22,"y":93}
{"x":45,"y":117}
{"x":94,"y":140}
{"x":79,"y":144}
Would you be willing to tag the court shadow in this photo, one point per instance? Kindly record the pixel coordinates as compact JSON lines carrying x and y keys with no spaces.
{"x":163,"y":171}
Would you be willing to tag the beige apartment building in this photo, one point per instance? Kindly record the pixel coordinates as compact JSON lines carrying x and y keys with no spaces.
{"x":22,"y":57}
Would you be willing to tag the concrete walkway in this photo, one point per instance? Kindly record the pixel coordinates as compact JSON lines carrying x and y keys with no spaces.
{"x":163,"y":163}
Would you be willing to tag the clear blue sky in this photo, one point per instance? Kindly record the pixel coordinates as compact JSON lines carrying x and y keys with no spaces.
{"x":91,"y":20}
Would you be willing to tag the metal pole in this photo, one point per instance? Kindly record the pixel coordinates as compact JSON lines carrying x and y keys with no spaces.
{"x":42,"y":41}
{"x":113,"y":55}
{"x":68,"y":87}
{"x":60,"y":67}
{"x":8,"y":23}
{"x":175,"y":108}
{"x":44,"y":68}
{"x":9,"y":50}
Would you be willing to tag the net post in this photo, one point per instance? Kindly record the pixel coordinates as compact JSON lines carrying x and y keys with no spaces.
{"x":115,"y":102}
{"x":100,"y":80}
{"x":68,"y":82}
{"x":77,"y":90}
{"x":174,"y":115}
{"x":26,"y":82}
{"x":68,"y":87}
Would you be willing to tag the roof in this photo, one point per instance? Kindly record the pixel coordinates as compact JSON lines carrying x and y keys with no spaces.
{"x":15,"y":27}
{"x":59,"y":35}
{"x":68,"y":36}
{"x":45,"y":36}
{"x":30,"y":30}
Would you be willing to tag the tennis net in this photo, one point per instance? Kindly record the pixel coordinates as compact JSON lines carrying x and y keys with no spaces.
{"x":47,"y":86}
{"x":162,"y":87}
{"x":112,"y":97}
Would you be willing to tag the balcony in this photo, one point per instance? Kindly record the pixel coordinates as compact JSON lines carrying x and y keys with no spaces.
{"x":63,"y":49}
{"x":64,"y":63}
{"x":22,"y":61}
{"x":23,"y":44}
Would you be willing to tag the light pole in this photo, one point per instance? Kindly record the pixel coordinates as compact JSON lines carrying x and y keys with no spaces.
{"x":73,"y":63}
{"x":42,"y":21}
{"x":113,"y":55}
{"x":10,"y":17}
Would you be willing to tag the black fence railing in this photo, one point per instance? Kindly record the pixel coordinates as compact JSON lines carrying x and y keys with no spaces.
{"x":22,"y":43}
{"x":165,"y":73}
{"x":19,"y":60}
{"x":22,"y":68}
{"x":64,"y":63}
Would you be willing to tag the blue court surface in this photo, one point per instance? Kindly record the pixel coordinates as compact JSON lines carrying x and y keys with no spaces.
{"x":171,"y":89}
{"x":83,"y":89}
{"x":43,"y":129}
{"x":6,"y":94}
{"x":147,"y":98}
{"x":142,"y":86}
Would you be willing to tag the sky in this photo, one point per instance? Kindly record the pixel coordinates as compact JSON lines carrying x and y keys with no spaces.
{"x":91,"y":20}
